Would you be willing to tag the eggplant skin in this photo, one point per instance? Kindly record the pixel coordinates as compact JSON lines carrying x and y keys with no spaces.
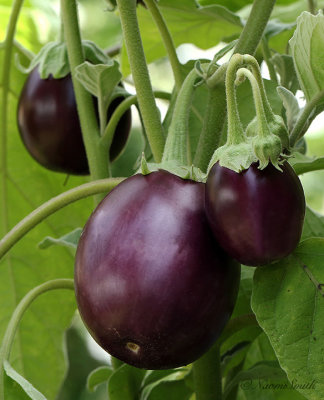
{"x":50,"y":129}
{"x":153,"y":286}
{"x":256,"y":215}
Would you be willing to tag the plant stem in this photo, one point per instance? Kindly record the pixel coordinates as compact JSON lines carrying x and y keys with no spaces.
{"x":267,"y":56}
{"x":96,"y":154}
{"x":177,"y":146}
{"x":5,"y":82}
{"x":167,"y":40}
{"x":119,"y":112}
{"x":207,"y":375}
{"x":210,"y":135}
{"x":312,"y":6}
{"x":146,"y":100}
{"x":235,"y":132}
{"x":297,"y":132}
{"x":17,"y":316}
{"x":51,"y":206}
{"x":254,"y":27}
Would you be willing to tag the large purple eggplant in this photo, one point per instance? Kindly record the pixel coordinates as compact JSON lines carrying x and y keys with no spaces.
{"x":152,"y":285}
{"x":256,"y":215}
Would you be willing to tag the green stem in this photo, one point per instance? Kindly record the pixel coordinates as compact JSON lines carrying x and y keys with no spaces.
{"x":267,"y":56}
{"x":252,"y":62}
{"x":177,"y":147}
{"x":51,"y":206}
{"x":167,"y":40}
{"x":263,"y":128}
{"x":17,"y":316}
{"x":235,"y":132}
{"x":146,"y":100}
{"x":96,"y":154}
{"x":211,"y":133}
{"x":207,"y":375}
{"x":254,"y":27}
{"x":5,"y":82}
{"x":119,"y":112}
{"x":312,"y":6}
{"x":297,"y":132}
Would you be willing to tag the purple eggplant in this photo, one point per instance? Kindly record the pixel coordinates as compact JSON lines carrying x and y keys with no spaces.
{"x":256,"y":215}
{"x":153,"y":286}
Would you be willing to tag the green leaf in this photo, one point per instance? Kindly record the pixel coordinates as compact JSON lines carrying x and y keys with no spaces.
{"x":38,"y":343}
{"x":291,"y":106}
{"x":71,"y":239}
{"x":289,"y":306}
{"x":175,"y":376}
{"x":307,"y":47}
{"x":98,"y":376}
{"x":302,"y":163}
{"x":27,"y":387}
{"x":284,"y":65}
{"x":203,"y":27}
{"x":313,"y":224}
{"x":125,"y":383}
{"x":261,"y":370}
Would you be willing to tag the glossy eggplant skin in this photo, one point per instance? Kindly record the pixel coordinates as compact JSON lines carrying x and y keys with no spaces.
{"x":256,"y":215}
{"x":152,"y":285}
{"x":50,"y":129}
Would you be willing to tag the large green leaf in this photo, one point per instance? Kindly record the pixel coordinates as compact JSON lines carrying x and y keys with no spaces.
{"x":37,"y":352}
{"x":289,"y":306}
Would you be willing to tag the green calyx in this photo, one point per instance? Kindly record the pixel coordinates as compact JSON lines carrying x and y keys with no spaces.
{"x":267,"y":146}
{"x":237,"y":154}
{"x":175,"y":168}
{"x":275,"y":122}
{"x":53,"y":59}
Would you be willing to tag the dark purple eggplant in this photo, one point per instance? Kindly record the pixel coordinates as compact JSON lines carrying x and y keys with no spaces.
{"x":49,"y":125}
{"x":256,"y":215}
{"x":153,"y":286}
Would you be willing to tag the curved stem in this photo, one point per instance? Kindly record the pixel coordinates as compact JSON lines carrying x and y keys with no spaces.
{"x":119,"y":112}
{"x":252,"y":62}
{"x":167,"y":40}
{"x":177,"y":146}
{"x":254,"y":27}
{"x":207,"y":375}
{"x":5,"y":82}
{"x":96,"y":154}
{"x":17,"y":316}
{"x":146,"y":100}
{"x":51,"y":206}
{"x":263,"y":128}
{"x":235,"y":132}
{"x":297,"y":132}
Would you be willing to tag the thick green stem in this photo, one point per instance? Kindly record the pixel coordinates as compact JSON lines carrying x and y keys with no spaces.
{"x":177,"y":147}
{"x":263,"y":128}
{"x":167,"y":40}
{"x":97,"y":155}
{"x":53,"y":205}
{"x":297,"y":132}
{"x":211,"y":133}
{"x":17,"y":316}
{"x":312,"y":6}
{"x":119,"y":112}
{"x":146,"y":100}
{"x":5,"y":82}
{"x":254,"y":27}
{"x":207,"y":375}
{"x":235,"y":132}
